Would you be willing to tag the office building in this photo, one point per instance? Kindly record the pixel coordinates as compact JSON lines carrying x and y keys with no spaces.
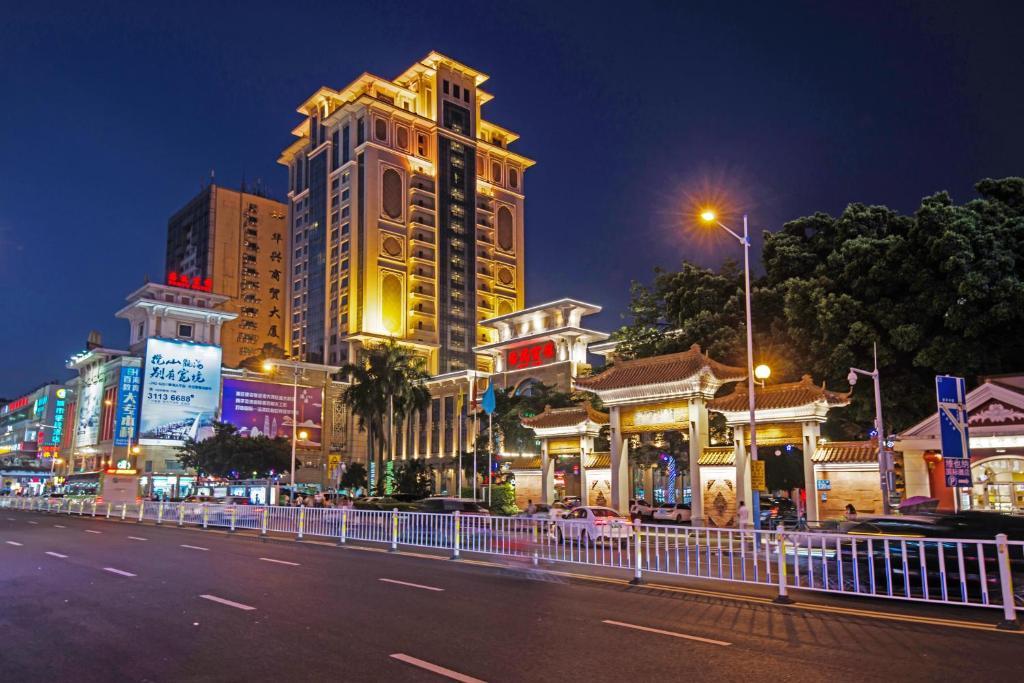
{"x":235,"y":244}
{"x":406,"y":216}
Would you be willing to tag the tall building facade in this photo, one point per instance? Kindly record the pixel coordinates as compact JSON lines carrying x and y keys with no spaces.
{"x":406,"y":217}
{"x":236,"y":244}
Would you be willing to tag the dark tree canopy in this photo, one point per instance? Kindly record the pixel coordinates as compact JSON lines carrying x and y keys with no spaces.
{"x":229,"y":454}
{"x":939,"y":291}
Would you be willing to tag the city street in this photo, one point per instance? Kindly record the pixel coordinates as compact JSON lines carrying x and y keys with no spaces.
{"x":107,"y":601}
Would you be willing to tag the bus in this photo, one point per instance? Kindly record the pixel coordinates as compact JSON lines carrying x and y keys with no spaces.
{"x":111,"y":485}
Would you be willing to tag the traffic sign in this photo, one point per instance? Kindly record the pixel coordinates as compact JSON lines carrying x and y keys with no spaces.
{"x":958,"y":471}
{"x":952,"y":416}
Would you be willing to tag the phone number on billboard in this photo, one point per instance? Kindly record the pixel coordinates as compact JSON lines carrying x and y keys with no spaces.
{"x":174,"y":398}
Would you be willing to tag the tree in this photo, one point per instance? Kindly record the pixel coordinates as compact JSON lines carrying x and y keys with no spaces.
{"x":255,"y":363}
{"x":229,"y":454}
{"x":387,"y":382}
{"x":354,"y":476}
{"x":415,"y":477}
{"x":939,"y":291}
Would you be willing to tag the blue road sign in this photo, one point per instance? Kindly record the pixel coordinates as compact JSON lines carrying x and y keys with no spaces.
{"x":951,"y":393}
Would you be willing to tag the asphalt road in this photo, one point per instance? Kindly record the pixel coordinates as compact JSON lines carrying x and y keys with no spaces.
{"x":90,"y":600}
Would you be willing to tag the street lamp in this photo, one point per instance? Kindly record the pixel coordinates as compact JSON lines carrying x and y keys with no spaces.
{"x":709,"y":216}
{"x":762,"y":372}
{"x":884,"y":462}
{"x":297,"y":368}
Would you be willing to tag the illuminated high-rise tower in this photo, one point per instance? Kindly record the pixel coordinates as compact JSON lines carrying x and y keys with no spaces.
{"x":406,"y":214}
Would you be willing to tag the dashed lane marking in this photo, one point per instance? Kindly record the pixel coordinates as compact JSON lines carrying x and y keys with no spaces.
{"x":270,"y":559}
{"x":193,"y":547}
{"x":53,"y":554}
{"x":659,"y":631}
{"x":412,"y":585}
{"x":119,"y":572}
{"x":229,"y":603}
{"x":92,"y":531}
{"x":137,"y":538}
{"x":13,"y":543}
{"x":434,"y":668}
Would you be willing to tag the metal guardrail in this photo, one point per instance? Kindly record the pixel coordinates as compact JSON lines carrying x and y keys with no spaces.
{"x":948,"y":571}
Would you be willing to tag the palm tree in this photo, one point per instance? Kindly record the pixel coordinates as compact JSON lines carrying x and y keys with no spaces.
{"x":387,"y":384}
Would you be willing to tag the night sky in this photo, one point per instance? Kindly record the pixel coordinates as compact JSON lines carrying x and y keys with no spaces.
{"x":113,"y":117}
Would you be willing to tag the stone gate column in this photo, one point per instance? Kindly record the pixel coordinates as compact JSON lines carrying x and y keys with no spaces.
{"x":699,"y":440}
{"x":620,"y":463}
{"x":811,"y":434}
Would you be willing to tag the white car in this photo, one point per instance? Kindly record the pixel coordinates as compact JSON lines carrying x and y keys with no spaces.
{"x":591,"y":523}
{"x":640,"y":508}
{"x":672,"y":512}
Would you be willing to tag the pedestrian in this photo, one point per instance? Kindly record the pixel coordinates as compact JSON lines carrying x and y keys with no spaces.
{"x":531,"y":509}
{"x":851,"y":512}
{"x":743,"y":515}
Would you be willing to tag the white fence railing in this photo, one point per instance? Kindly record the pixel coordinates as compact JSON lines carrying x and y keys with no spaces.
{"x":972,"y":572}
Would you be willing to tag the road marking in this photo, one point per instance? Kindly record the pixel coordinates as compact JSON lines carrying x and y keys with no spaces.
{"x":117,"y":571}
{"x":60,"y":526}
{"x":270,"y":559}
{"x":11,"y":519}
{"x":31,"y":522}
{"x":92,"y":531}
{"x":13,"y":543}
{"x":412,"y":585}
{"x":53,"y":554}
{"x":137,"y":538}
{"x":193,"y":547}
{"x":229,"y":603}
{"x":666,"y":633}
{"x":434,"y":668}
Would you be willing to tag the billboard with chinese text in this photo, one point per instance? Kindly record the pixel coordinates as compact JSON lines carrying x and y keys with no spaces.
{"x":87,"y":430}
{"x":128,"y":388}
{"x":265,"y":409}
{"x":180,"y":392}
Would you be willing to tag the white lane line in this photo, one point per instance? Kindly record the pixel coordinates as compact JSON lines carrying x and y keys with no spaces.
{"x":434,"y":668}
{"x":31,"y":522}
{"x":59,"y":526}
{"x":229,"y":603}
{"x":13,"y":543}
{"x":137,"y":538}
{"x":11,"y":519}
{"x":270,"y":559}
{"x":412,"y":585}
{"x":711,"y":641}
{"x":53,"y":554}
{"x":193,"y":547}
{"x":92,"y":531}
{"x":117,"y":571}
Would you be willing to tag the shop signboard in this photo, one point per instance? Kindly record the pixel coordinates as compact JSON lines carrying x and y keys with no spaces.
{"x":180,"y":392}
{"x":265,"y":409}
{"x":88,"y":430}
{"x":127,"y":405}
{"x":757,"y":480}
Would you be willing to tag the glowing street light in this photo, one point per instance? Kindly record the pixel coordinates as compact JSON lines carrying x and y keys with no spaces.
{"x":303,"y":435}
{"x":761,"y":373}
{"x":711,"y":217}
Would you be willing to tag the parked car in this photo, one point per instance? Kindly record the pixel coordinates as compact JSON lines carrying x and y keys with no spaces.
{"x":465,"y":506}
{"x":640,"y":508}
{"x":672,"y":512}
{"x":589,"y":524}
{"x":777,"y":510}
{"x":570,"y":502}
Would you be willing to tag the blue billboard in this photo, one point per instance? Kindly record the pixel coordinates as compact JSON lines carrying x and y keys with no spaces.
{"x":128,"y":387}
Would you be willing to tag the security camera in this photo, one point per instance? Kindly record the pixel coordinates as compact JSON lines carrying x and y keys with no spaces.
{"x":852,"y":378}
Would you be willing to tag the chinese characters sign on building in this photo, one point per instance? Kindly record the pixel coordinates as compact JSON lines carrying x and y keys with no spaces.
{"x":181,"y":384}
{"x":530,"y":356}
{"x":183,"y":281}
{"x":59,"y":410}
{"x":265,"y":409}
{"x":127,"y":405}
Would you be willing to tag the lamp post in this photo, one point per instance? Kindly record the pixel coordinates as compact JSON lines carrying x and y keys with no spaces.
{"x":710,"y":217}
{"x":884,"y":461}
{"x":297,"y":368}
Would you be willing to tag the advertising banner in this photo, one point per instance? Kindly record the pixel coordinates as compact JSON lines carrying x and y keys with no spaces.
{"x":127,"y":405}
{"x":87,"y":431}
{"x":181,"y":388}
{"x":265,"y":409}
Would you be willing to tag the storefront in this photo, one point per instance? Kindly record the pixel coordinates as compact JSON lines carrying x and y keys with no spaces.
{"x":996,"y":429}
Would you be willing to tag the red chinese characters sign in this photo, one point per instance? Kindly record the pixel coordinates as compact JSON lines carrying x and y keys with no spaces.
{"x":530,"y":356}
{"x":183,"y":281}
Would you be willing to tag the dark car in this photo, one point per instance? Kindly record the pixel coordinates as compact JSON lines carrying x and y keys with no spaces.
{"x":777,"y":510}
{"x":911,"y":554}
{"x":448,"y":505}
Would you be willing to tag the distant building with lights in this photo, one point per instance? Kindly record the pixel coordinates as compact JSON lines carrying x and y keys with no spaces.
{"x":236,"y":244}
{"x":406,"y":216}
